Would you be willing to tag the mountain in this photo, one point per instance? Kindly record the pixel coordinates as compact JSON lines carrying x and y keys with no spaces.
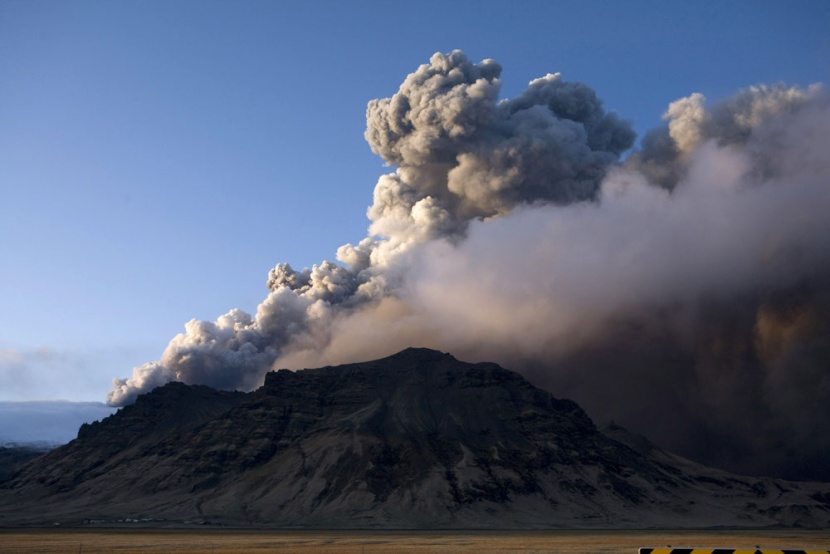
{"x":415,"y":440}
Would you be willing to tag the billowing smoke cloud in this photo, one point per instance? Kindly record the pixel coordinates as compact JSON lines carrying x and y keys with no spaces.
{"x":684,"y":292}
{"x":461,"y":155}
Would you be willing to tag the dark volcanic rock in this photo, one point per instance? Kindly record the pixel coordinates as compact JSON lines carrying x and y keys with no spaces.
{"x":418,"y":439}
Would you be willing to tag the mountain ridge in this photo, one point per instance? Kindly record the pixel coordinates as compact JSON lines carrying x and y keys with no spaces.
{"x":415,"y":440}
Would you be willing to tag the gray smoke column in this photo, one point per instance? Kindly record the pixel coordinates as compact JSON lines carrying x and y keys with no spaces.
{"x":684,"y":292}
{"x":460,"y":155}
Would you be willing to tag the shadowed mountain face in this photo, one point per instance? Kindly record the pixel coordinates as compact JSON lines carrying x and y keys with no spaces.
{"x":415,"y":440}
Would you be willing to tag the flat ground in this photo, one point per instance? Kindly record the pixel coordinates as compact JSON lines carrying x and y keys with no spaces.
{"x":126,"y":541}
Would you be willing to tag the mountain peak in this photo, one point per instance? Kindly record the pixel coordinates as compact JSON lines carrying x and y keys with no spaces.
{"x":419,"y":354}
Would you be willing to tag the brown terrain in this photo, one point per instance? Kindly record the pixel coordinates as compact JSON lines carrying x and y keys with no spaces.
{"x":142,"y":541}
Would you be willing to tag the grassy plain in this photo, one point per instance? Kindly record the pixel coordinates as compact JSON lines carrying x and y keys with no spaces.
{"x":140,"y":541}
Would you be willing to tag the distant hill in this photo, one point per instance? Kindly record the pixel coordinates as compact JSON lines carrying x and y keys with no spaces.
{"x":14,"y":457}
{"x":415,"y":440}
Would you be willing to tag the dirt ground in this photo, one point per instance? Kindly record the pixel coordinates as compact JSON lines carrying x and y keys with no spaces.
{"x":127,"y":541}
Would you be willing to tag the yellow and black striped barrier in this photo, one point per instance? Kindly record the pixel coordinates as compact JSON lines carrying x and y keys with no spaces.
{"x":697,"y":550}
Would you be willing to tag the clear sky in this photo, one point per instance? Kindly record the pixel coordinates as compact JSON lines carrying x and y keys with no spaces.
{"x":158,"y":158}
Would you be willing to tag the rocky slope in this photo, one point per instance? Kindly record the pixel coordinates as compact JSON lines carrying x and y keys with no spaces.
{"x":415,"y":440}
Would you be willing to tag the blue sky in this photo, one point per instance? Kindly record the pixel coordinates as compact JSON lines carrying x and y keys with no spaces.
{"x":157,"y":158}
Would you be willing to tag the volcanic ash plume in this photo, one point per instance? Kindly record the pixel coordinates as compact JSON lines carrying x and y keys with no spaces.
{"x":684,"y":292}
{"x":461,"y":155}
